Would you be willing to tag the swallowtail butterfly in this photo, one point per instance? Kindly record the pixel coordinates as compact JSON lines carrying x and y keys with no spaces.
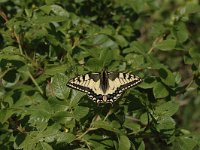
{"x":104,"y":87}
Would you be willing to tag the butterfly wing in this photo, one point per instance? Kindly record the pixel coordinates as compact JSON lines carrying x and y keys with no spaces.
{"x":88,"y":83}
{"x":118,"y":82}
{"x":84,"y":83}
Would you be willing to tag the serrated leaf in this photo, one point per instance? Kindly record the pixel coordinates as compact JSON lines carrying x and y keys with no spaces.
{"x":159,"y":90}
{"x":166,"y":45}
{"x":124,"y":143}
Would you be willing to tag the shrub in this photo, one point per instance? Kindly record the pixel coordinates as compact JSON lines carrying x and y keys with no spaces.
{"x":45,"y":43}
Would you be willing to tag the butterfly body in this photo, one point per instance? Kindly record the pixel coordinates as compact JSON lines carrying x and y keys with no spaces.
{"x":104,"y":87}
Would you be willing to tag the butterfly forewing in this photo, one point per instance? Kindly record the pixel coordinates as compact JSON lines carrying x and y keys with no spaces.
{"x":84,"y":83}
{"x":118,"y":82}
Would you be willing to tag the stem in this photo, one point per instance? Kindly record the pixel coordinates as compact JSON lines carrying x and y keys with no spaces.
{"x":88,"y":130}
{"x":3,"y":74}
{"x":36,"y":84}
{"x":157,"y":40}
{"x":151,"y":49}
{"x":18,"y":41}
{"x":109,"y":112}
{"x":91,"y":128}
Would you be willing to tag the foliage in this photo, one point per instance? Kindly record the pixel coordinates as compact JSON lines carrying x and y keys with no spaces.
{"x":45,"y":43}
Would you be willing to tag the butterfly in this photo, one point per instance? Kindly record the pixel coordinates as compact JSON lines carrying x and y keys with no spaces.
{"x":104,"y":87}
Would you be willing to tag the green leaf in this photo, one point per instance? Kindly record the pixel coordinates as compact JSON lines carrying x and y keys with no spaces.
{"x":181,"y":32}
{"x":141,"y":146}
{"x":148,"y":83}
{"x":136,"y":47}
{"x":60,"y":11}
{"x":121,"y":40}
{"x":166,"y":45}
{"x":160,"y":91}
{"x":106,"y":57}
{"x":106,"y":126}
{"x":57,"y":105}
{"x":80,"y":112}
{"x":58,"y":87}
{"x":47,"y":19}
{"x":144,"y":118}
{"x":184,"y":143}
{"x":5,"y":114}
{"x":167,"y":109}
{"x":55,"y":69}
{"x":101,"y":40}
{"x":75,"y":98}
{"x":31,"y":139}
{"x":43,"y":146}
{"x":166,"y":125}
{"x":94,"y":64}
{"x":124,"y":143}
{"x":135,"y":60}
{"x":65,"y":137}
{"x":40,"y":115}
{"x":131,"y":125}
{"x":192,"y":8}
{"x":178,"y":77}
